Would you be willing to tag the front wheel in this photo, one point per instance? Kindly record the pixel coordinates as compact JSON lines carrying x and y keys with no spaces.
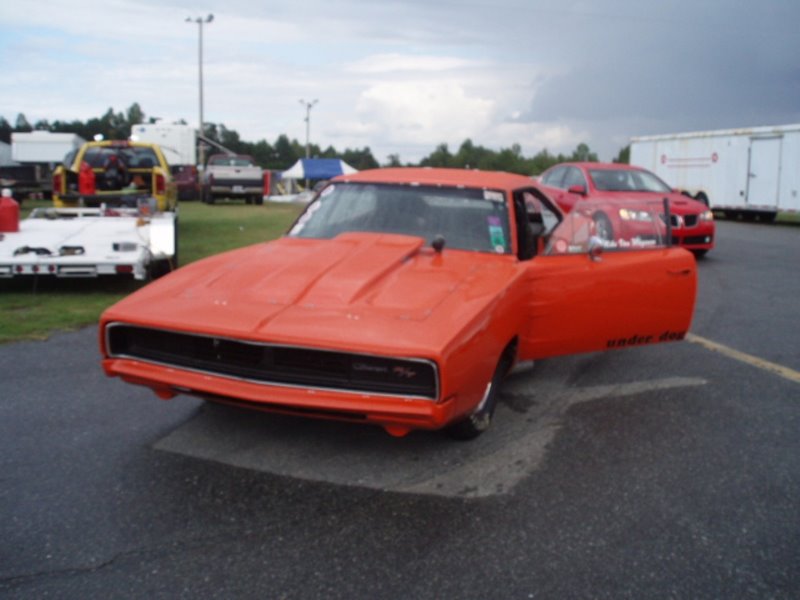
{"x":603,"y":228}
{"x":479,"y":421}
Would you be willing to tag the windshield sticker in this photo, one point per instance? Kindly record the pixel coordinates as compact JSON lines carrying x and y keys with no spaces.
{"x":496,"y":234}
{"x":492,"y":196}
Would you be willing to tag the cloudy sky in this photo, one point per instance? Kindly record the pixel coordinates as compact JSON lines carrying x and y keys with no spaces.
{"x":404,"y":76}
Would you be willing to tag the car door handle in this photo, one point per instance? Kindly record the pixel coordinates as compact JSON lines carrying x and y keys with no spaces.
{"x":679,"y":272}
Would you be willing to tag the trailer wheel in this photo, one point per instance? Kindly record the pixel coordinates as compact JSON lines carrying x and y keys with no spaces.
{"x":701,"y":197}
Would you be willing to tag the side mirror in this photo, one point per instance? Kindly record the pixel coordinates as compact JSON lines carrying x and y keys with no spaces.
{"x":577,"y":189}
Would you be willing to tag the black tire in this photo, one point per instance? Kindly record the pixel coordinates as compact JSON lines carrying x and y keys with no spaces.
{"x":698,"y":254}
{"x":602,"y":227}
{"x":259,"y":200}
{"x":158,"y":268}
{"x":479,"y":421}
{"x":701,"y":197}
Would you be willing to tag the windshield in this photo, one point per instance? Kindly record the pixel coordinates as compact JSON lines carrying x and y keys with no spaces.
{"x":627,"y":180}
{"x":468,"y":219}
{"x":134,"y":157}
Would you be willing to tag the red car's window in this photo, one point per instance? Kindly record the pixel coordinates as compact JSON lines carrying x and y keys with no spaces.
{"x":627,"y":180}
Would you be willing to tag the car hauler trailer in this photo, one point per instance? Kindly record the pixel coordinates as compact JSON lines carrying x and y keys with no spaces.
{"x":749,"y":173}
{"x":138,"y":242}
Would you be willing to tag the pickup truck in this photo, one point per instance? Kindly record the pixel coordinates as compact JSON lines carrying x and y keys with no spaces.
{"x":233,"y":176}
{"x":114,"y":173}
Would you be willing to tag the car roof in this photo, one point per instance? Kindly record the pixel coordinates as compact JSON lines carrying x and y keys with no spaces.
{"x":601,"y":165}
{"x":437,"y":176}
{"x":119,"y":144}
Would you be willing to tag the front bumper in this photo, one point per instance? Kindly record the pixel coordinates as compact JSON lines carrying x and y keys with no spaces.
{"x":700,"y":237}
{"x":387,"y":411}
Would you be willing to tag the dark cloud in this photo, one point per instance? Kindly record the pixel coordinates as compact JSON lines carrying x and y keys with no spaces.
{"x":690,"y":68}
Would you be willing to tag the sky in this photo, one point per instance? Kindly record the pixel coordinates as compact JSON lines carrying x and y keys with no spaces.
{"x":402,"y":77}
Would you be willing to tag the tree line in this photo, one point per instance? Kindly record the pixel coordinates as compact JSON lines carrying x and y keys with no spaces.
{"x":284,"y":152}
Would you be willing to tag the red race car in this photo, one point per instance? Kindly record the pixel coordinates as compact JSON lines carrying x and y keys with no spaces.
{"x":400,"y":297}
{"x":620,"y":186}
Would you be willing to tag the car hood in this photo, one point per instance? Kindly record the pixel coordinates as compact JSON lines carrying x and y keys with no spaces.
{"x":365,"y":292}
{"x":679,"y":204}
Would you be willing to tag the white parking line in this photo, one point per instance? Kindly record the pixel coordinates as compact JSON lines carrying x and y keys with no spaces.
{"x":749,"y":359}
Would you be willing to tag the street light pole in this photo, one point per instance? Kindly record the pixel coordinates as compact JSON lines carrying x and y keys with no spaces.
{"x":309,"y":106}
{"x":202,"y":129}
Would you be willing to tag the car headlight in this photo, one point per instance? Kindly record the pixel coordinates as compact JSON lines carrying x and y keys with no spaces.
{"x":628,"y":214}
{"x":707,"y":216}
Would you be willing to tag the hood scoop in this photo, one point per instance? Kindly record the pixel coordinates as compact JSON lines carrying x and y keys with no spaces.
{"x":373,"y":257}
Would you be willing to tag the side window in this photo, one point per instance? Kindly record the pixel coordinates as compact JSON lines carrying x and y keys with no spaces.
{"x":533,"y":205}
{"x":536,"y":219}
{"x":554,"y":177}
{"x":574,"y":177}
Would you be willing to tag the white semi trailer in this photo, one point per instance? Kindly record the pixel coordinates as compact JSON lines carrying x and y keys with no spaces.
{"x":747,"y":173}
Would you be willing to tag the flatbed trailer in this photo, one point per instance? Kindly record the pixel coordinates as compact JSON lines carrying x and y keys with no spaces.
{"x":91,"y":242}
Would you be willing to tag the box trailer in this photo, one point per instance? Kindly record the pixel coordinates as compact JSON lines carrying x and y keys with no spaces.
{"x":748,"y":173}
{"x":35,"y":154}
{"x":43,"y":146}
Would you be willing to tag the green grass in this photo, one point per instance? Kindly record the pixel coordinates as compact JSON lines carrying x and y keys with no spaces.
{"x":35,"y":308}
{"x":788,"y":218}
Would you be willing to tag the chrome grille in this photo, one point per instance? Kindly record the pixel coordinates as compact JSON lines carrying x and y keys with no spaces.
{"x":275,"y":364}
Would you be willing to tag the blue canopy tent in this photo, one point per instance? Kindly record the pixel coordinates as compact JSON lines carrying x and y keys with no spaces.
{"x":318,"y":168}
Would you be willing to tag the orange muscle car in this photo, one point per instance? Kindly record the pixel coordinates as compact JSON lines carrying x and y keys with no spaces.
{"x":400,"y":297}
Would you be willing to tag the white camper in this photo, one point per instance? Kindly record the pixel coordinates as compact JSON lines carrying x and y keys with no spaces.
{"x":177,"y":141}
{"x":741,"y":172}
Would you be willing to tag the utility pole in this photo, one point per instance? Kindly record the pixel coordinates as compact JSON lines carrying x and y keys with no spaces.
{"x":200,"y":21}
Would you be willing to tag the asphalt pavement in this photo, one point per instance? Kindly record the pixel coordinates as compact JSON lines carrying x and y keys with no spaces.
{"x":669,"y":471}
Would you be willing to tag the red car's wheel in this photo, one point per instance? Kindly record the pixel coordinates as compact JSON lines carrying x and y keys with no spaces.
{"x":602,"y":227}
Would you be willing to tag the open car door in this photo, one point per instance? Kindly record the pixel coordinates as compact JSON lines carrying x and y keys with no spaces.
{"x":608,"y":279}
